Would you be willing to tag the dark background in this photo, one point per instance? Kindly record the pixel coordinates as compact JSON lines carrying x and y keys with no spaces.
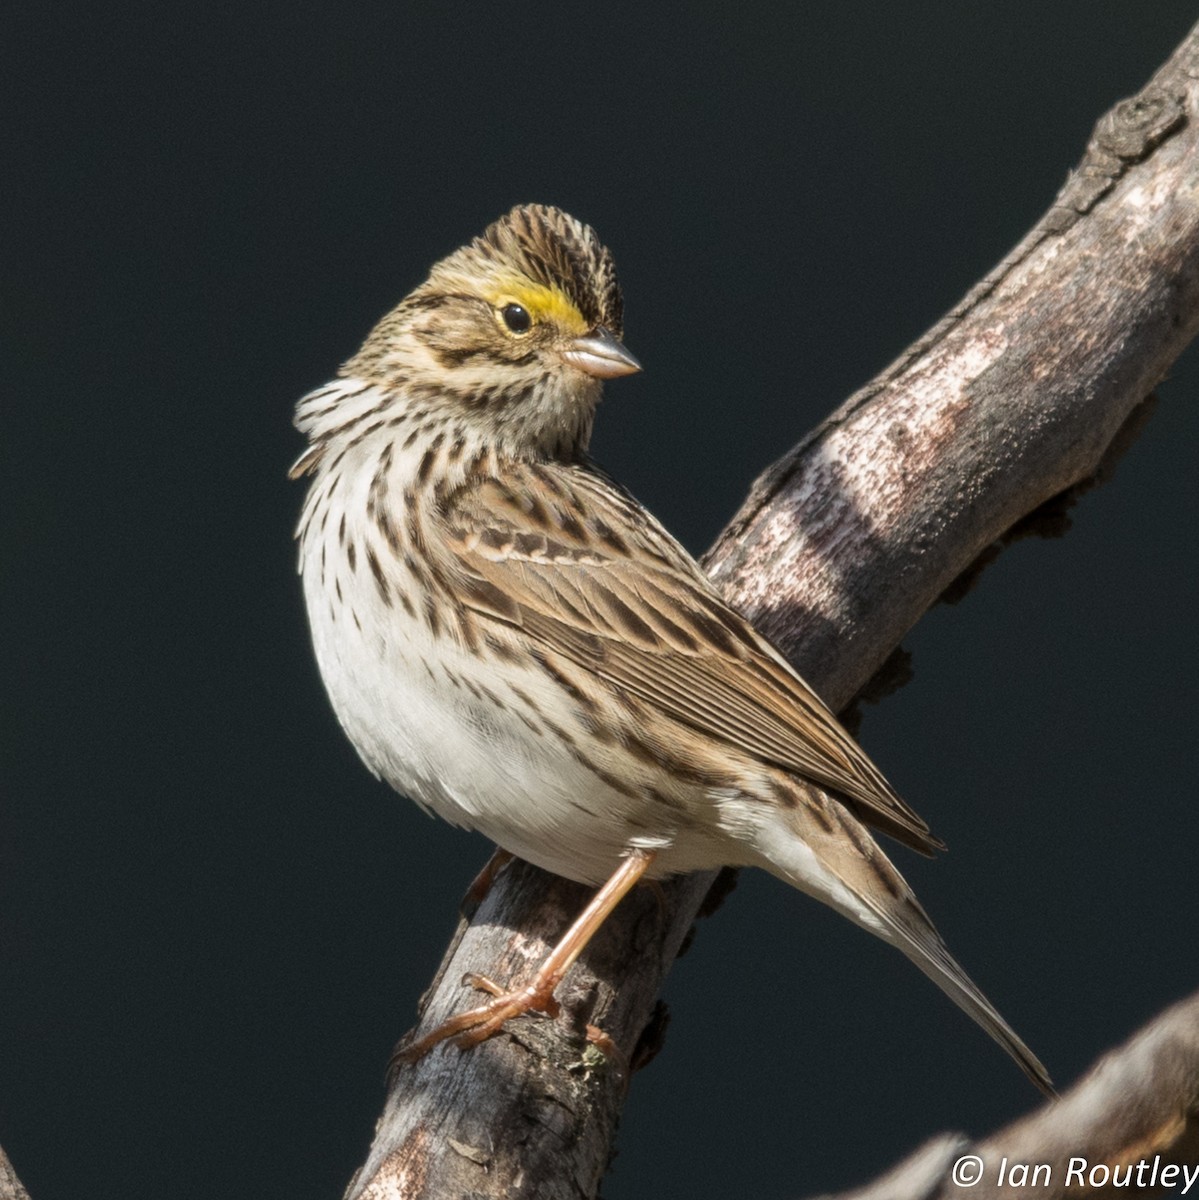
{"x":213,"y":923}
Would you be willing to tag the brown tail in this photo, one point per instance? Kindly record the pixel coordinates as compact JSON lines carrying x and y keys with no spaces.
{"x":821,"y":848}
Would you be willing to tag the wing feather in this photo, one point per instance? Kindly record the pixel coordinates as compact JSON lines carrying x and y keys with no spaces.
{"x":574,"y":561}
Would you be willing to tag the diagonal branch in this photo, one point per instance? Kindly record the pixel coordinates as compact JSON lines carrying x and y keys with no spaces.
{"x":841,"y":546}
{"x":1136,"y":1112}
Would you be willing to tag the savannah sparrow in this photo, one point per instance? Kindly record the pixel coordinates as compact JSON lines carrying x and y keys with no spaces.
{"x":509,"y":638}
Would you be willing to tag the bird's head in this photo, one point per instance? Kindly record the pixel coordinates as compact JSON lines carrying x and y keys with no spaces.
{"x":514,"y":332}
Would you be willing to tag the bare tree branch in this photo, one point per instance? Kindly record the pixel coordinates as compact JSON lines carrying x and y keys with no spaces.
{"x":1137,"y":1105}
{"x":10,"y":1185}
{"x":841,"y":546}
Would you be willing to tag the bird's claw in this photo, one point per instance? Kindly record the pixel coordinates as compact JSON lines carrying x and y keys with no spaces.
{"x":478,"y":1024}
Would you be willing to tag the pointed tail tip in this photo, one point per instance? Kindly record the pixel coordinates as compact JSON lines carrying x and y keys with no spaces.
{"x":988,"y":1017}
{"x":1035,"y":1070}
{"x":925,"y":948}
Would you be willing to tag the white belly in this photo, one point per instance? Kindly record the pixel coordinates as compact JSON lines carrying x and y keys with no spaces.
{"x":486,"y":744}
{"x":401,"y":700}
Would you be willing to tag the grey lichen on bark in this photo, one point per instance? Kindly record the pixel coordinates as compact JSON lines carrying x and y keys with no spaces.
{"x":1014,"y":397}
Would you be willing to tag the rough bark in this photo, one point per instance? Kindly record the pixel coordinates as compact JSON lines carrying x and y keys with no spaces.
{"x":1012,"y":399}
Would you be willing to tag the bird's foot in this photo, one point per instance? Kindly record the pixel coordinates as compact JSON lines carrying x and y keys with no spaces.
{"x":478,"y":1024}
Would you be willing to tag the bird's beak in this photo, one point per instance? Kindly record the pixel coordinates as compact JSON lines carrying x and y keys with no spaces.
{"x":601,"y":354}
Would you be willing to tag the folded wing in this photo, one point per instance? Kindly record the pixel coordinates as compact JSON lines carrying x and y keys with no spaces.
{"x":573,"y":560}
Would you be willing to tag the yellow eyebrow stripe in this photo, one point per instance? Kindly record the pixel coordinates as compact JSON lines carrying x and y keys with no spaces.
{"x":540,"y":302}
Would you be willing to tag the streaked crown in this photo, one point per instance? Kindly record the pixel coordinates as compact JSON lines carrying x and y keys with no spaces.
{"x":547,"y":247}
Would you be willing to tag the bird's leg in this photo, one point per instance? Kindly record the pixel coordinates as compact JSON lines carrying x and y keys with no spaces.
{"x":482,"y":883}
{"x":477,"y":1025}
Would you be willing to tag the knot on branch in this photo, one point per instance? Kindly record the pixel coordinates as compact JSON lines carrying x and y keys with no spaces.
{"x":1136,"y":126}
{"x":1124,"y":135}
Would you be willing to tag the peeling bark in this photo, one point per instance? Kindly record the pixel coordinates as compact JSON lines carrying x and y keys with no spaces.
{"x":1013,"y":398}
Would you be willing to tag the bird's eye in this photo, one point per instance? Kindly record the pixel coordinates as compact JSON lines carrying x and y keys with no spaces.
{"x":516,"y":317}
